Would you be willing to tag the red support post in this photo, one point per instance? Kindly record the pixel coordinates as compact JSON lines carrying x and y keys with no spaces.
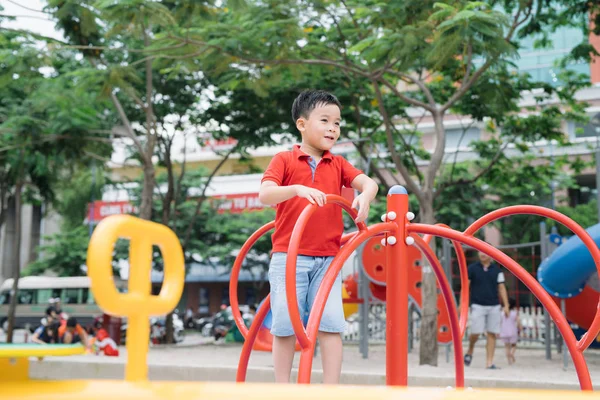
{"x":397,"y":289}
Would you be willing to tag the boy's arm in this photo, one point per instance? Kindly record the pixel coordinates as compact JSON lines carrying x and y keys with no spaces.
{"x":271,"y":193}
{"x":368,"y":190}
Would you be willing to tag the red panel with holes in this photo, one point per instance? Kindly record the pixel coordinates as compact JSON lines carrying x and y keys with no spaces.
{"x":373,"y":260}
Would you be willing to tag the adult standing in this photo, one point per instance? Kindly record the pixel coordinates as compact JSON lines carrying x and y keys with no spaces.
{"x":486,"y":283}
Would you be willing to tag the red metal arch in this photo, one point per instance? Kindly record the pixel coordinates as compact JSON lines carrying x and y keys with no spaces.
{"x":464,"y":281}
{"x":562,"y":324}
{"x":594,"y":329}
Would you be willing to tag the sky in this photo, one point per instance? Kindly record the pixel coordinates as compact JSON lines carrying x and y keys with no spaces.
{"x":29,"y":17}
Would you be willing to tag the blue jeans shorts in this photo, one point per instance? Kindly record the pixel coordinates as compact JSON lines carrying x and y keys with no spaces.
{"x":309,"y":274}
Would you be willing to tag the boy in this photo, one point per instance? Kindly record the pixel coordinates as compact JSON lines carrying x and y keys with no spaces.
{"x":295,"y":178}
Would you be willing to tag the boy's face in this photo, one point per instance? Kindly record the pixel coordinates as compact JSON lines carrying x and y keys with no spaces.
{"x":322,"y":128}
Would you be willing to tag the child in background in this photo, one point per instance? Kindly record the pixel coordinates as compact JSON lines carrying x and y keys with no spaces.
{"x":511,"y":326}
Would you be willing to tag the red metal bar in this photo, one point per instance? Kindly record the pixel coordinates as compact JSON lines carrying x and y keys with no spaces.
{"x":464,"y":281}
{"x":455,"y":328}
{"x":235,"y":274}
{"x":397,"y":265}
{"x":563,"y":326}
{"x":292,"y":255}
{"x":316,"y":313}
{"x":259,"y":318}
{"x":594,"y":329}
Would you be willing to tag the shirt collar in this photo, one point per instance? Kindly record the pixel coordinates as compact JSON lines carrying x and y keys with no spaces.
{"x":300,"y":154}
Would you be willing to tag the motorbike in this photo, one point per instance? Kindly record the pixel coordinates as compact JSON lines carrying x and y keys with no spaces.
{"x":220,"y":323}
{"x":158,"y":330}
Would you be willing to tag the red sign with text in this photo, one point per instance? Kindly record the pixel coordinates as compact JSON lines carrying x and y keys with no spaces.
{"x":102,"y":209}
{"x":232,"y":203}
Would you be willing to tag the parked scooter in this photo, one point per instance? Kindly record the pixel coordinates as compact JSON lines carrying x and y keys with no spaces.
{"x":158,"y":330}
{"x":220,"y":323}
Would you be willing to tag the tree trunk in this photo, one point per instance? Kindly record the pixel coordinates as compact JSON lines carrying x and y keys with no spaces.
{"x":147,"y":192}
{"x":166,"y":217}
{"x":17,"y":265}
{"x":428,"y":349}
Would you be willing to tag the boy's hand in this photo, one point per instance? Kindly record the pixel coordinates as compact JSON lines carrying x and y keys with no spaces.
{"x":314,"y":196}
{"x":362,"y":203}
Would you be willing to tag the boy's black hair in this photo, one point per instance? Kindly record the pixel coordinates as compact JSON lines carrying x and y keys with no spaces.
{"x":512,"y":303}
{"x":308,"y":100}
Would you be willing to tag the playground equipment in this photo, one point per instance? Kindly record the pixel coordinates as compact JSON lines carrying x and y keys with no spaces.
{"x":569,"y":273}
{"x":398,"y":234}
{"x":138,"y":305}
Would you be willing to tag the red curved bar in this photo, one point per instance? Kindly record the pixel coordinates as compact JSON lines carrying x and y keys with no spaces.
{"x":259,"y":318}
{"x":314,"y":320}
{"x":464,"y":281}
{"x":292,"y":255}
{"x":347,"y":237}
{"x":235,"y":274}
{"x":455,"y":329}
{"x":594,"y":329}
{"x":563,"y":326}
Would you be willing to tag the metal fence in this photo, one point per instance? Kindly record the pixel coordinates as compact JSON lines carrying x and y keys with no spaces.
{"x":532,"y":320}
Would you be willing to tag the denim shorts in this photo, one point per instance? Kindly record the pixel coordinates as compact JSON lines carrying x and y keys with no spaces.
{"x":309,"y":274}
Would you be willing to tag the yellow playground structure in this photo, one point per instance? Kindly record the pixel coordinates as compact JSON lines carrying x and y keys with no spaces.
{"x":138,"y":305}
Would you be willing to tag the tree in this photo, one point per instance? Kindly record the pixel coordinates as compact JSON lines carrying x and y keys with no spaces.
{"x":423,"y":58}
{"x":115,"y":74}
{"x":45,"y":125}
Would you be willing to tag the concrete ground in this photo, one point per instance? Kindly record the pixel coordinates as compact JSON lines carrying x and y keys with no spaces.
{"x":197,"y":359}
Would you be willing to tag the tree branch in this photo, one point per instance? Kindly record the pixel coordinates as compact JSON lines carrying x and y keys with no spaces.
{"x":354,"y":69}
{"x":438,"y":154}
{"x":410,"y":183}
{"x":354,"y":21}
{"x":28,"y":8}
{"x":481,"y":173}
{"x":467,"y":83}
{"x":412,"y":156}
{"x":419,"y":83}
{"x":372,"y":167}
{"x":457,"y":146}
{"x":406,"y":99}
{"x":182,"y":172}
{"x":128,"y":129}
{"x":202,"y":198}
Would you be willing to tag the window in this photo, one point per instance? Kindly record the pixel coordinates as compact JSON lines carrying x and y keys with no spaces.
{"x":56,"y":293}
{"x":204,"y":300}
{"x":4,"y":298}
{"x":250,"y":295}
{"x":588,"y":130}
{"x":87,"y":297}
{"x":26,"y":296}
{"x":71,"y":296}
{"x":225,"y":296}
{"x":455,"y":137}
{"x":44,"y":295}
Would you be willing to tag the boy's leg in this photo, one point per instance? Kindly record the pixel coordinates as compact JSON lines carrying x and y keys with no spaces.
{"x":284,"y":340}
{"x":331,"y":356}
{"x":332,"y":323}
{"x":508,"y":352}
{"x":283,"y":357}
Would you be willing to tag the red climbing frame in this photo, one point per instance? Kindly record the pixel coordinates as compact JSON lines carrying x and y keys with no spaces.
{"x":398,"y":232}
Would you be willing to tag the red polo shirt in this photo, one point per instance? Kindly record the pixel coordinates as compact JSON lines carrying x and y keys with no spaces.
{"x":324,"y":229}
